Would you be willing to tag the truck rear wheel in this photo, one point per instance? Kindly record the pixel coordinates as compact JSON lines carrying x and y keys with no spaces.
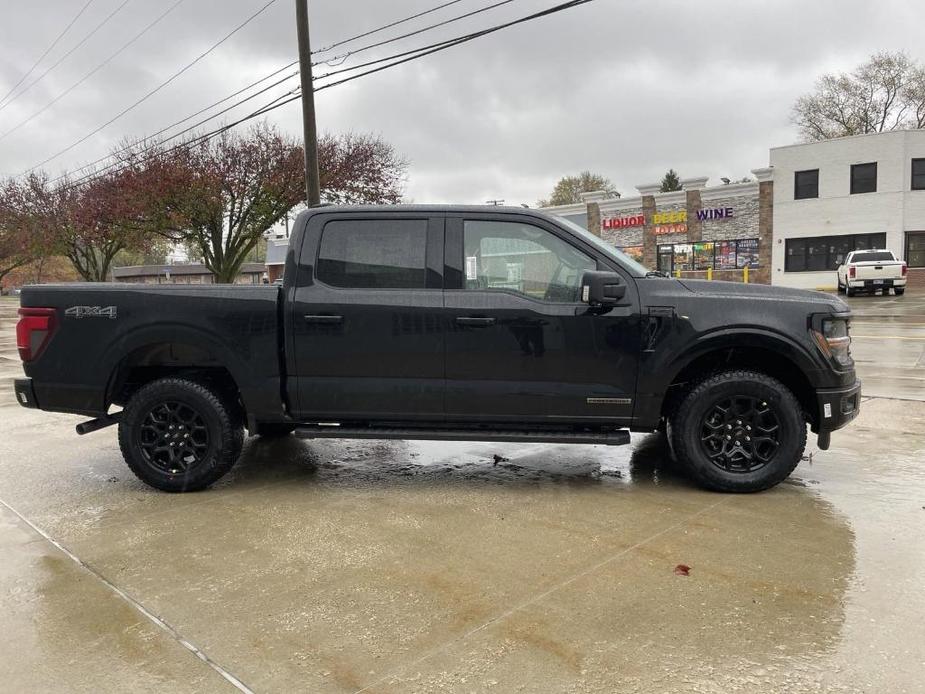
{"x":739,"y":431}
{"x":179,"y":436}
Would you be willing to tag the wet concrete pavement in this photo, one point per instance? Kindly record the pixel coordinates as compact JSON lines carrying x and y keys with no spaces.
{"x":342,"y":566}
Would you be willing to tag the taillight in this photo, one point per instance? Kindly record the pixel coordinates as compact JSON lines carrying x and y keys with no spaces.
{"x":852,"y":271}
{"x":33,"y":331}
{"x":905,"y":269}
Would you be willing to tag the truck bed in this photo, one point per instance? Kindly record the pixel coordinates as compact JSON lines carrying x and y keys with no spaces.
{"x":101,"y":329}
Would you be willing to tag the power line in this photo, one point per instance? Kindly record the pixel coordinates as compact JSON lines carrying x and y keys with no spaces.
{"x":240,"y":91}
{"x":193,"y":115}
{"x":47,"y":50}
{"x":94,"y":70}
{"x":344,"y":56}
{"x":288,"y":97}
{"x":68,"y":54}
{"x":384,"y":27}
{"x":158,"y":87}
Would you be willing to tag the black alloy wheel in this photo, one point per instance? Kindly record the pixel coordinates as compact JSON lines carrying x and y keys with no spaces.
{"x":740,"y":434}
{"x":738,"y":431}
{"x":174,"y":437}
{"x":179,"y":435}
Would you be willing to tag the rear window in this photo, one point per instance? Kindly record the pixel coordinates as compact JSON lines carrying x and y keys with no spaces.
{"x":872,"y":257}
{"x":374,"y":254}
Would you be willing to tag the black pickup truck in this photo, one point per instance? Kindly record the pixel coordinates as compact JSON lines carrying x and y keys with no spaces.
{"x":448,"y":323}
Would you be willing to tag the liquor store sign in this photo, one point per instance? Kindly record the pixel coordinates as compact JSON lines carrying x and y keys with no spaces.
{"x":673,"y":222}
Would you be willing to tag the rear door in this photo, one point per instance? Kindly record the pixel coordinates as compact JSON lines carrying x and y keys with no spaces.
{"x":365,"y":318}
{"x":520,"y":346}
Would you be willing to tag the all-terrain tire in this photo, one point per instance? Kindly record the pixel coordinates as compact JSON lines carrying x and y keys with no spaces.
{"x":849,"y":291}
{"x":179,"y":436}
{"x":900,"y":291}
{"x":694,"y":419}
{"x":274,"y":430}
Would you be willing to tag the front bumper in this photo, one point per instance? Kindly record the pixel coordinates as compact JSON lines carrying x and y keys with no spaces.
{"x":25,"y":393}
{"x":836,"y":408}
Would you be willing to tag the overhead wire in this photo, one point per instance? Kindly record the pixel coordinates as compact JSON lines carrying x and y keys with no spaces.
{"x":48,"y":50}
{"x":96,"y":69}
{"x":294,"y":95}
{"x":67,"y":55}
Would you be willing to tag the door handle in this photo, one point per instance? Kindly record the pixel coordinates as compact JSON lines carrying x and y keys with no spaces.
{"x":475,"y":321}
{"x":324,"y":320}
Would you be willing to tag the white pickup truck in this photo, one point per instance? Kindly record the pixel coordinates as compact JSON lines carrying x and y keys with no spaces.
{"x":872,"y":270}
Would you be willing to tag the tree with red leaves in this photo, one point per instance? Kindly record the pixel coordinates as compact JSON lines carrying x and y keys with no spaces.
{"x":89,"y":224}
{"x":219,"y":197}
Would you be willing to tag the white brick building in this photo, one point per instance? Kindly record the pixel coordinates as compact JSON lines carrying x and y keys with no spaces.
{"x":853,"y":192}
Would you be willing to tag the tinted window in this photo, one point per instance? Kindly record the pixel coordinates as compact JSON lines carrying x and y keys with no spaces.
{"x":864,"y":178}
{"x":918,"y":174}
{"x":374,"y":254}
{"x":876,"y":257}
{"x":821,"y":253}
{"x":806,"y":184}
{"x":522,"y":258}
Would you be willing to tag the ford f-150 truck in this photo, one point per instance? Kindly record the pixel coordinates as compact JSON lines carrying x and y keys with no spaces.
{"x":446,"y":323}
{"x":872,"y":270}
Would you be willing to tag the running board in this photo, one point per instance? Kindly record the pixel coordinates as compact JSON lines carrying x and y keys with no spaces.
{"x":620,"y":437}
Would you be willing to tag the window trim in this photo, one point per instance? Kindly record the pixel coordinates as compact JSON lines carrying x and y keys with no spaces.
{"x":913,"y":174}
{"x":432,"y":233}
{"x":854,"y":167}
{"x":796,"y":187}
{"x":807,"y":240}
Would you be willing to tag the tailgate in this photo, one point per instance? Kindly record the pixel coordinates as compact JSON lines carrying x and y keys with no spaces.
{"x":887,"y":270}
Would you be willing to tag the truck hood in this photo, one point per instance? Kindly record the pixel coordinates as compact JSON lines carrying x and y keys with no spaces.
{"x":764,"y":292}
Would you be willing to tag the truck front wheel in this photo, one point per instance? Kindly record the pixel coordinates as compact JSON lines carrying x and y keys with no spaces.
{"x":178,"y":435}
{"x":739,"y":431}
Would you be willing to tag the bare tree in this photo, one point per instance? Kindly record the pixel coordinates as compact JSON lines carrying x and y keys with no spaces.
{"x":885,"y":93}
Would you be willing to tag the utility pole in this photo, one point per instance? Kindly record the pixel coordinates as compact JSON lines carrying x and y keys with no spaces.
{"x":309,"y":132}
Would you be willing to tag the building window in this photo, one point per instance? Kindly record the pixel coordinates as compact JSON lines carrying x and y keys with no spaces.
{"x":806,"y":184}
{"x":864,"y":178}
{"x":915,"y":249}
{"x":918,"y":174}
{"x":824,"y":253}
{"x":367,"y":254}
{"x":706,"y":255}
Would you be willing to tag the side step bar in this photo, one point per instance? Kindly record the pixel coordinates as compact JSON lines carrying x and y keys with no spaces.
{"x":619,"y":437}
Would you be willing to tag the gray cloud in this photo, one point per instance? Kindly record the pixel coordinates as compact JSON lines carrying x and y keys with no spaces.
{"x":626,"y":88}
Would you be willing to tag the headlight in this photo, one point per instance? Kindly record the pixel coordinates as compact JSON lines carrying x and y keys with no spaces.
{"x":834,"y":342}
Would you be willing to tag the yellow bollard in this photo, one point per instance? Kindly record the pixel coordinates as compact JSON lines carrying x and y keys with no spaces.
{"x":677,"y":273}
{"x":745,"y":274}
{"x":709,"y":273}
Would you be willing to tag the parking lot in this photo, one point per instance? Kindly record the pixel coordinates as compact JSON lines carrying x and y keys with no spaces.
{"x":350,"y":566}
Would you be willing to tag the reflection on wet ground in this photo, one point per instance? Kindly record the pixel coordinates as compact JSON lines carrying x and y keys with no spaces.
{"x":332,"y":566}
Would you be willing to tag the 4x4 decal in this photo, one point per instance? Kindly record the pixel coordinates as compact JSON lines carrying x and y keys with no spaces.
{"x":91,"y":312}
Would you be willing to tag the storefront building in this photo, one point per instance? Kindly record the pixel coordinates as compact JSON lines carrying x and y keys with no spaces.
{"x":708,"y":232}
{"x":850,"y":193}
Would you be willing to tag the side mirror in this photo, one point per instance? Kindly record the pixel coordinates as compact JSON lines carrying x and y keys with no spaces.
{"x":602,"y":288}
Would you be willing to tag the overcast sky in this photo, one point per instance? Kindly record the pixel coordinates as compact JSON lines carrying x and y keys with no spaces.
{"x":626,"y":88}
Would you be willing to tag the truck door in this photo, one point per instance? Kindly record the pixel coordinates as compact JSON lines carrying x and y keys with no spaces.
{"x":520,"y":346}
{"x":365,"y":318}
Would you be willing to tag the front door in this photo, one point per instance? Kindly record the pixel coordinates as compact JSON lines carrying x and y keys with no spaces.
{"x":365,"y":323}
{"x":520,"y":346}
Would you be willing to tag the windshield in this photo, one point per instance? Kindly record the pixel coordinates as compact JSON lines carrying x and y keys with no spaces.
{"x":636,"y":269}
{"x":872,"y":257}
